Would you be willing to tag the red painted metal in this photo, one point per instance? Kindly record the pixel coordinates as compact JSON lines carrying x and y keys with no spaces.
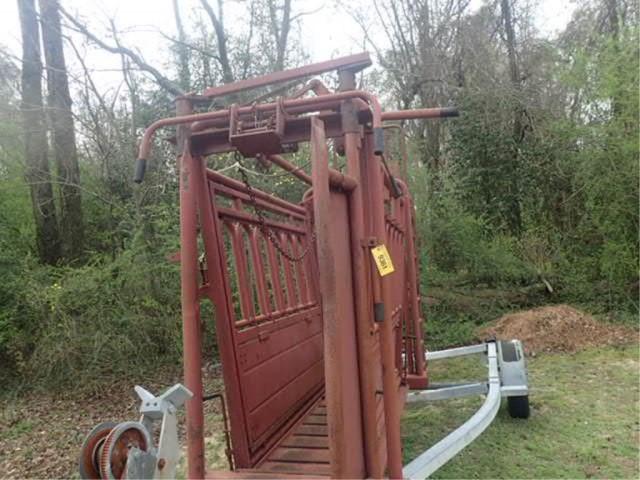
{"x":352,"y":62}
{"x":189,"y":274}
{"x":200,"y":121}
{"x":336,"y":285}
{"x":317,"y":349}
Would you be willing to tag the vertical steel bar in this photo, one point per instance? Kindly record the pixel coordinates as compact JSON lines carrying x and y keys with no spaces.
{"x":320,"y":176}
{"x":191,"y":335}
{"x":375,"y":468}
{"x":258,"y":271}
{"x":301,"y":278}
{"x":274,"y":269}
{"x":390,"y":375}
{"x":292,"y":299}
{"x":311,"y":260}
{"x":244,"y":283}
{"x":414,"y":297}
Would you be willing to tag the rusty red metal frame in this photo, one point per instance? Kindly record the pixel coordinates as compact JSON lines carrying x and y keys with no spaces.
{"x":317,"y":354}
{"x":353,"y":63}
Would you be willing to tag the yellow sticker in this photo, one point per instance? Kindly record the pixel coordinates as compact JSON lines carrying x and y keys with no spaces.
{"x":383,"y":260}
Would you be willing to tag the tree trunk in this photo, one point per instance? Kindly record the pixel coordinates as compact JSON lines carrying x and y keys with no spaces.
{"x":221,"y":37}
{"x":184,"y":73}
{"x":613,"y":29}
{"x":514,"y":210}
{"x":63,"y":134}
{"x":280,"y":29}
{"x":35,"y":137}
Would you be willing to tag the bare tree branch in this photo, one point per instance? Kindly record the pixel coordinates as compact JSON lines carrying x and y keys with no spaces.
{"x":160,"y":79}
{"x":218,"y":27}
{"x":183,"y":55}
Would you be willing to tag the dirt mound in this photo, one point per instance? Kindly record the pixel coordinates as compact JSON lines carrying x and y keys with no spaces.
{"x":557,"y":328}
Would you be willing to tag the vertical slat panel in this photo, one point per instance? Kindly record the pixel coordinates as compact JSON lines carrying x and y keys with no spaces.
{"x":301,"y":279}
{"x":263,"y":295}
{"x":292,"y":297}
{"x":244,"y":283}
{"x":274,"y":269}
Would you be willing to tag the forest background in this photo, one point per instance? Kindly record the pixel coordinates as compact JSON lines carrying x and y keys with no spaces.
{"x":529,"y":197}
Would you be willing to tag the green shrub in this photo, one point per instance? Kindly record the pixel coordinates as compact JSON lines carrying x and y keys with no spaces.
{"x":458,"y":242}
{"x":106,"y":319}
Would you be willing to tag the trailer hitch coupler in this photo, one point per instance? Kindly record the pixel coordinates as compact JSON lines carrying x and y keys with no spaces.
{"x":141,"y":167}
{"x":378,"y":140}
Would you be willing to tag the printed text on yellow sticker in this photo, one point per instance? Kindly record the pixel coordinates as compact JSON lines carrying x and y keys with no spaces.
{"x":382,"y":259}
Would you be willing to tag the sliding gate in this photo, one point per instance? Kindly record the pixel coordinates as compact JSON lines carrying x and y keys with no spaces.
{"x":270,"y":269}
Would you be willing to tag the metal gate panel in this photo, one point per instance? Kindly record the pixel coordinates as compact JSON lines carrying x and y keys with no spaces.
{"x":277,"y":323}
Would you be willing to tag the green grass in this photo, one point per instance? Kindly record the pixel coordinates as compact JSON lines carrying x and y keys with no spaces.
{"x":584,"y":421}
{"x":21,"y":427}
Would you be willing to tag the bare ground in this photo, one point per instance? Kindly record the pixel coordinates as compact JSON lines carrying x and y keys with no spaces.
{"x":41,"y":433}
{"x":558,"y":328}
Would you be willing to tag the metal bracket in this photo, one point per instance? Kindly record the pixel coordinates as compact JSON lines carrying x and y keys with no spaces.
{"x":263,"y":137}
{"x":513,"y":371}
{"x":161,"y":462}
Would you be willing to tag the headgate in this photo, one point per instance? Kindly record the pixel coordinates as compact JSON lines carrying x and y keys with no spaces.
{"x":316,"y":303}
{"x":317,"y":308}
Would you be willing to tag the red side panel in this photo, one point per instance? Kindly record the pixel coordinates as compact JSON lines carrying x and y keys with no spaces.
{"x":277,"y":322}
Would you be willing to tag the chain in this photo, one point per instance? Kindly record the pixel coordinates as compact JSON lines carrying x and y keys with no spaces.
{"x":266,"y":231}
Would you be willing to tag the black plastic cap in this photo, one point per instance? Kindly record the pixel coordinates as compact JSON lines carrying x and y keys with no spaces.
{"x":378,"y":141}
{"x":449,"y":112}
{"x":378,"y":312}
{"x":141,"y":166}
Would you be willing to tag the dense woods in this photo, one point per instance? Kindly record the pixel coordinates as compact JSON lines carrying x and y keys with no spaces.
{"x":534,"y":186}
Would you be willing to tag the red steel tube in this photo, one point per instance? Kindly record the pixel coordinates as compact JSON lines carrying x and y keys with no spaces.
{"x":390,"y":378}
{"x":357,"y":61}
{"x":192,"y":345}
{"x":316,"y":86}
{"x":309,"y":104}
{"x":236,"y":185}
{"x":291,"y":168}
{"x":336,"y":179}
{"x":412,"y":274}
{"x":375,"y":469}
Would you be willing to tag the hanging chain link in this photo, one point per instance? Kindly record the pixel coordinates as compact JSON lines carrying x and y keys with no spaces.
{"x":266,"y":231}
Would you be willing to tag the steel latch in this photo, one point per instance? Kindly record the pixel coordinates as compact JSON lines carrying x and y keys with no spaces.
{"x":260,"y":135}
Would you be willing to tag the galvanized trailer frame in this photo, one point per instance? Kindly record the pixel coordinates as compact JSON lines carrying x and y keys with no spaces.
{"x":507,"y":377}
